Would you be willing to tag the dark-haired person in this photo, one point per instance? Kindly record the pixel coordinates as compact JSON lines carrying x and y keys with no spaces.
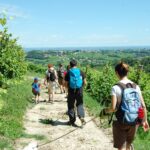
{"x":60,"y":73}
{"x":75,"y":80}
{"x":50,"y":79}
{"x":124,"y":133}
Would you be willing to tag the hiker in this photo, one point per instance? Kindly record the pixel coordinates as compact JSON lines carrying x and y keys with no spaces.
{"x":126,"y":97}
{"x":60,"y":73}
{"x":50,"y":78}
{"x":36,"y":89}
{"x":75,"y":80}
{"x":65,"y":72}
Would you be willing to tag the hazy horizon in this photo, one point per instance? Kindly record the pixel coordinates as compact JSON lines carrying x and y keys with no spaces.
{"x":87,"y":48}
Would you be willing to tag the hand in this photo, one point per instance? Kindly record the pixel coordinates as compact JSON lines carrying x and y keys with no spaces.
{"x":145,"y":126}
{"x":106,"y":110}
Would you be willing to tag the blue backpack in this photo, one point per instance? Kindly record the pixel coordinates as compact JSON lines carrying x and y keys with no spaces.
{"x":127,"y":112}
{"x":75,"y":81}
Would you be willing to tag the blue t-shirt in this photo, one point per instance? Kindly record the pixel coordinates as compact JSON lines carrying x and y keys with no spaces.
{"x":36,"y":87}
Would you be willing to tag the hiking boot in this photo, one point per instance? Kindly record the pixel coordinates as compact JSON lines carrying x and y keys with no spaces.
{"x":71,"y":124}
{"x":83,"y":122}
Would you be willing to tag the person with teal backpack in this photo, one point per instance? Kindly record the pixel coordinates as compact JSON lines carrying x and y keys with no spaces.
{"x":75,"y":80}
{"x":129,"y":108}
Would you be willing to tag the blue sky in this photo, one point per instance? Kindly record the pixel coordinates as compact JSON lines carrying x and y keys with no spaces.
{"x":69,"y":23}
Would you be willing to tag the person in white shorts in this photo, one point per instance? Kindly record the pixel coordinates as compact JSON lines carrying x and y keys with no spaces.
{"x":50,"y":78}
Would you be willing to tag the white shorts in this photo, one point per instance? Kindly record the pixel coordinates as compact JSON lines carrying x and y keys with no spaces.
{"x":51,"y":87}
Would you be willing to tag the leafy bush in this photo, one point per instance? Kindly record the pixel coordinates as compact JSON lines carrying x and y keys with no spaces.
{"x":14,"y":104}
{"x":36,"y":68}
{"x":11,"y":55}
{"x":100,"y":83}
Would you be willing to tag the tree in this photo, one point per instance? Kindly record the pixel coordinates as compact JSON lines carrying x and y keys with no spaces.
{"x":12,"y":56}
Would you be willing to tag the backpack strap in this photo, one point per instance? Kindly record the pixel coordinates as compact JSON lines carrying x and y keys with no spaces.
{"x":128,"y":85}
{"x":121,"y":85}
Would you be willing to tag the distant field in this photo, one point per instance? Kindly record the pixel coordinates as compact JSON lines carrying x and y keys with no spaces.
{"x":94,"y":58}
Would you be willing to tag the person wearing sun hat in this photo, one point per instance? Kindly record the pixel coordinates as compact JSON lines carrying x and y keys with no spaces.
{"x":36,"y":89}
{"x":50,"y":81}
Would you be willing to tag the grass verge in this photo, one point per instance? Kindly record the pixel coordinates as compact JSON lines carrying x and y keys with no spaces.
{"x":92,"y":105}
{"x":15,"y":102}
{"x":142,"y":139}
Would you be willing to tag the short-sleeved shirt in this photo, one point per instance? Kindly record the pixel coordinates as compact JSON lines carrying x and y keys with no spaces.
{"x":52,"y":69}
{"x":36,"y":86}
{"x":117,"y":91}
{"x":67,"y":77}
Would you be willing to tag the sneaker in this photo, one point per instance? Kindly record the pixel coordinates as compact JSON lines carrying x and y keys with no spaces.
{"x":83,"y":122}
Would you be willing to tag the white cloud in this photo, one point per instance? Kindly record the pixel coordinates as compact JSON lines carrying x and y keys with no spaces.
{"x":105,"y":39}
{"x":12,"y":11}
{"x":28,"y":39}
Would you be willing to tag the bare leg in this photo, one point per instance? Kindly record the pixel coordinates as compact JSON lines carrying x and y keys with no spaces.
{"x":49,"y":97}
{"x":53,"y":96}
{"x":61,"y":88}
{"x":64,"y":89}
{"x":36,"y":99}
{"x":128,"y":146}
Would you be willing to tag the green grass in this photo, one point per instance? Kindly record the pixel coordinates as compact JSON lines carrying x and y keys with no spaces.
{"x":92,"y":105}
{"x":35,"y":136}
{"x":15,"y":102}
{"x":6,"y":144}
{"x":35,"y":74}
{"x":142,"y":140}
{"x":96,"y":110}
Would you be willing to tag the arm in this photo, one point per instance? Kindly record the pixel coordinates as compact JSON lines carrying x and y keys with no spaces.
{"x":45,"y":80}
{"x":144,"y":107}
{"x":113,"y":105}
{"x":145,"y":122}
{"x":84,"y":82}
{"x":56,"y":74}
{"x":67,"y":80}
{"x":84,"y":78}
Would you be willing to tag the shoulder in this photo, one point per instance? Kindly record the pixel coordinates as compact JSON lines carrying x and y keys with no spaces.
{"x":115,"y":88}
{"x":126,"y":81}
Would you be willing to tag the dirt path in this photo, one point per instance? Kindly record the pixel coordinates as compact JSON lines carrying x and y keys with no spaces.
{"x":46,"y":126}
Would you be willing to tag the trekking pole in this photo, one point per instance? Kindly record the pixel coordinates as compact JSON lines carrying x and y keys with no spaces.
{"x":110,"y":120}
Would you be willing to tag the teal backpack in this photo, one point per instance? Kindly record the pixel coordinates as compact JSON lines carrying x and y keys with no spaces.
{"x":76,"y":80}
